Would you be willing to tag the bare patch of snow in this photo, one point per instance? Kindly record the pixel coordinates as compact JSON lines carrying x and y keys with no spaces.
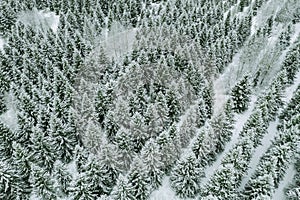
{"x":220,"y":94}
{"x":51,"y":18}
{"x":9,"y":118}
{"x":118,"y":41}
{"x":164,"y":192}
{"x":2,"y":43}
{"x":39,"y":18}
{"x":296,"y":35}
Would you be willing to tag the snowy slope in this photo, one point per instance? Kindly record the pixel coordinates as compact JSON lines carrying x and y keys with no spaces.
{"x":259,"y":152}
{"x":238,"y":126}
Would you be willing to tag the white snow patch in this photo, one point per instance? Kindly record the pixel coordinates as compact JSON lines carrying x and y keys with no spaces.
{"x":38,"y":18}
{"x":10,"y":118}
{"x":296,"y":33}
{"x":220,"y":94}
{"x":118,"y":41}
{"x":155,"y":5}
{"x":52,"y":19}
{"x":2,"y":43}
{"x":72,"y":169}
{"x":164,"y":192}
{"x":254,"y":25}
{"x":33,"y":196}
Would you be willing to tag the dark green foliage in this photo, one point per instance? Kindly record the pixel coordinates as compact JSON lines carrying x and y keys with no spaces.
{"x":6,"y":141}
{"x":241,"y":95}
{"x":205,"y":145}
{"x":7,"y":182}
{"x":244,"y":29}
{"x":125,"y":145}
{"x":255,"y":127}
{"x":63,"y":137}
{"x":43,"y":153}
{"x":291,"y":109}
{"x":81,"y":158}
{"x":227,"y":23}
{"x":197,"y":147}
{"x":261,"y":187}
{"x":284,"y":38}
{"x":153,"y":165}
{"x":292,"y":191}
{"x":208,"y":97}
{"x":97,"y":177}
{"x":222,"y":129}
{"x":110,"y":126}
{"x":122,"y":190}
{"x":110,"y":166}
{"x":63,"y":178}
{"x":268,"y":26}
{"x":185,"y":178}
{"x":291,"y":63}
{"x":272,"y":100}
{"x":102,"y":103}
{"x":42,"y":183}
{"x":173,"y":104}
{"x":272,"y":165}
{"x":83,"y":189}
{"x":223,"y":183}
{"x":201,"y":114}
{"x":229,"y":115}
{"x":82,"y":112}
{"x":169,"y":145}
{"x":138,"y":181}
{"x":21,"y":166}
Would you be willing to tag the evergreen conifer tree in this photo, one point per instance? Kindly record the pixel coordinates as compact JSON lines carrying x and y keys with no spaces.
{"x":201,"y":113}
{"x":208,"y":97}
{"x":185,"y":178}
{"x":241,"y":95}
{"x":6,"y":141}
{"x":42,"y":183}
{"x":63,"y":178}
{"x":138,"y":181}
{"x":151,"y":157}
{"x":122,"y":190}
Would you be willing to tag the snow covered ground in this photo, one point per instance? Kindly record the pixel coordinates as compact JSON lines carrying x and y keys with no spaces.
{"x":9,"y":118}
{"x":2,"y":42}
{"x":238,"y":126}
{"x":267,"y":141}
{"x":118,"y":41}
{"x":164,"y":192}
{"x":40,"y":18}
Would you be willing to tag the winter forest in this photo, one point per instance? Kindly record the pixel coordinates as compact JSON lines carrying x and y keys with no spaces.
{"x":149,"y":99}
